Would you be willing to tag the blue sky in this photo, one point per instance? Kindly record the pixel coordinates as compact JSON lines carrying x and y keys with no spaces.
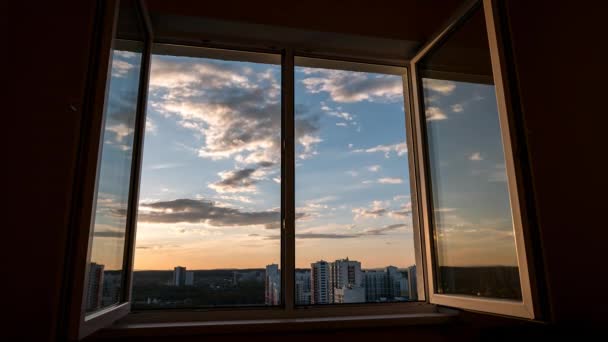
{"x":210,"y":191}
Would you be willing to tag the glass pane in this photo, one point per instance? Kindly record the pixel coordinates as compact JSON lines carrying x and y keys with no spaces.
{"x":354,"y":239}
{"x":104,"y":283}
{"x":474,"y":243}
{"x":209,"y":215}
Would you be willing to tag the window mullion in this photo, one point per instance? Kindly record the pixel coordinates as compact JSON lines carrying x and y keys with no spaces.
{"x":288,"y":181}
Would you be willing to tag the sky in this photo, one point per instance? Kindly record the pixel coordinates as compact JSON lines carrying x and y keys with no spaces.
{"x":210,"y":188}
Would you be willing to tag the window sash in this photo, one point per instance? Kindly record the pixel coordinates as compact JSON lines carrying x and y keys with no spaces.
{"x":78,"y":322}
{"x":525,"y":308}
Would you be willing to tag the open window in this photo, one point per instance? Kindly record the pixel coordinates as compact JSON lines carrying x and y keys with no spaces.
{"x":394,"y":179}
{"x":470,"y":191}
{"x":109,"y":171}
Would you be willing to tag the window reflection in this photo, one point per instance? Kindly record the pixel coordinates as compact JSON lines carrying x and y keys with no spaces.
{"x":473,"y":227}
{"x":106,"y":265}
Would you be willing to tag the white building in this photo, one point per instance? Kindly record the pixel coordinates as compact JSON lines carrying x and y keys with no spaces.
{"x":319,"y":282}
{"x":348,"y":294}
{"x":272,"y":285}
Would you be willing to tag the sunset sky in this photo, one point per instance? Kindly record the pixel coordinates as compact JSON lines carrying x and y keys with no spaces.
{"x":210,"y":191}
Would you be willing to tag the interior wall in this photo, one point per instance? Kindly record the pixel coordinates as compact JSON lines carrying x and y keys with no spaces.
{"x":561,"y":80}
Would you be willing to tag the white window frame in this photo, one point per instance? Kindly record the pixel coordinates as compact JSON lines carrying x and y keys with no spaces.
{"x":528,"y":306}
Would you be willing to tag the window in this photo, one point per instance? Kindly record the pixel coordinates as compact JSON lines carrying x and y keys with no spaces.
{"x":208,"y":231}
{"x":280,"y":181}
{"x":354,"y":236}
{"x":474,"y":228}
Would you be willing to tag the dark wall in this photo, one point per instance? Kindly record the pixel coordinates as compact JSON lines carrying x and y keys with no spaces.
{"x":561,"y":82}
{"x":46,"y":61}
{"x":560,"y":55}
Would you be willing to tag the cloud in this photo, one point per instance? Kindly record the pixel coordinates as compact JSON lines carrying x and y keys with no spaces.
{"x":164,"y":166}
{"x":234,"y":108}
{"x":151,"y":127}
{"x":457,"y":108}
{"x":435,"y":114}
{"x":121,"y":131}
{"x":399,"y":148}
{"x":120,"y":68}
{"x":341,"y":124}
{"x":403,"y":212}
{"x":440,"y":86}
{"x":377,"y":209}
{"x":204,"y":211}
{"x":350,"y":86}
{"x":380,"y":208}
{"x":236,"y":181}
{"x":384,"y":230}
{"x":476,"y":156}
{"x":389,"y":180}
{"x":109,"y":234}
{"x":374,"y":168}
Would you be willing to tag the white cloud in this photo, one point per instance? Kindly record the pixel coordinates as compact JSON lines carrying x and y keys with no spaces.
{"x":374,"y":168}
{"x":457,"y":108}
{"x":120,"y":68}
{"x":151,"y":127}
{"x":399,"y":148}
{"x":388,"y":180}
{"x":435,"y":114}
{"x":440,"y":86}
{"x":121,"y":131}
{"x":341,"y":124}
{"x":476,"y":156}
{"x":350,"y":86}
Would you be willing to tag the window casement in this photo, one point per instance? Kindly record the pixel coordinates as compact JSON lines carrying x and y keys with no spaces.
{"x":452,"y":111}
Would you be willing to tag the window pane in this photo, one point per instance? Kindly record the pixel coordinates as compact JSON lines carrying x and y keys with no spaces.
{"x":474,"y":243}
{"x":354,"y":239}
{"x":209,"y":215}
{"x":106,"y":264}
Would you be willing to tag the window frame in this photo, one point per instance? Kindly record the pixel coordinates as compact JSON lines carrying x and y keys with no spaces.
{"x":528,"y":307}
{"x":77,"y":321}
{"x":418,"y":167}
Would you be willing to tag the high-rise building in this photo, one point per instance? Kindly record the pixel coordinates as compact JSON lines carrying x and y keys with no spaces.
{"x":303,"y":293}
{"x":272,"y":284}
{"x":189,"y":278}
{"x":396,"y":284}
{"x":375,"y":283}
{"x":179,"y":276}
{"x":412,"y":284}
{"x":346,"y":273}
{"x":347,"y":276}
{"x":95,"y":286}
{"x":349,"y":294}
{"x":319,"y":282}
{"x":111,"y":287}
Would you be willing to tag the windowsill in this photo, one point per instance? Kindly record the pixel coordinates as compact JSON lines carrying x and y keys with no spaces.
{"x":424,"y":316}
